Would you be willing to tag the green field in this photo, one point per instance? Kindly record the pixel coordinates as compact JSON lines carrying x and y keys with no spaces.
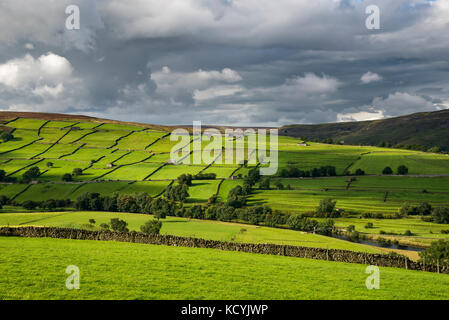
{"x":213,"y":230}
{"x":35,"y":269}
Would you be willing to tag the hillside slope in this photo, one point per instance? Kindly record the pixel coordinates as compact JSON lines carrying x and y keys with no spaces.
{"x":426,"y":129}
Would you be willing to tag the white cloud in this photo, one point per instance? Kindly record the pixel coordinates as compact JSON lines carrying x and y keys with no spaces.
{"x":215,"y":92}
{"x":370,"y":77}
{"x":49,"y":69}
{"x":171,"y":83}
{"x":400,"y":103}
{"x":359,"y":116}
{"x":47,"y":91}
{"x":311,"y":83}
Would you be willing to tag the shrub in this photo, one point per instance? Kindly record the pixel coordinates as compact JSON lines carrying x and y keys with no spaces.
{"x":354,"y":236}
{"x":104,"y":226}
{"x":387,"y":170}
{"x":92,"y":221}
{"x":359,"y":172}
{"x":408,"y":233}
{"x":384,"y":242}
{"x":151,"y":227}
{"x":119,"y":225}
{"x":369,"y":225}
{"x":67,"y":177}
{"x":445,"y":231}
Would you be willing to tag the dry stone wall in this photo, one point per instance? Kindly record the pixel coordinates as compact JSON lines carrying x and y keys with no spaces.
{"x":380,"y":260}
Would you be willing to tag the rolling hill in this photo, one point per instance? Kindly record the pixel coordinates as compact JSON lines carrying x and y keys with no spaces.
{"x":426,"y":129}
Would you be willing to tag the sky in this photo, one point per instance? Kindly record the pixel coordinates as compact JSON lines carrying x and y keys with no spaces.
{"x":225,"y":62}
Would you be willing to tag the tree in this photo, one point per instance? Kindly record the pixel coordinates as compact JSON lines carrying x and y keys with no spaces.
{"x":236,"y":197}
{"x":434,"y":150}
{"x":359,"y":172}
{"x":119,"y":225}
{"x":300,"y":222}
{"x":279,"y":185}
{"x":77,"y":172}
{"x":185,"y":179}
{"x":49,"y":164}
{"x":151,"y":227}
{"x":6,"y":136}
{"x":407,"y":209}
{"x":30,"y":205}
{"x":437,"y":253}
{"x":2,"y":175}
{"x":31,"y":174}
{"x":387,"y":170}
{"x":402,"y":170}
{"x":67,"y":177}
{"x":177,"y":193}
{"x":92,"y":221}
{"x":326,"y":207}
{"x":424,"y":209}
{"x":264,"y":184}
{"x":440,"y":215}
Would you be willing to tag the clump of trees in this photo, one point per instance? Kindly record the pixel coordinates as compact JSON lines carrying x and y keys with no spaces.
{"x":303,"y":223}
{"x":423,"y":209}
{"x":437,"y":253}
{"x":31,"y":174}
{"x":293,"y":172}
{"x":47,"y":205}
{"x":204,"y":176}
{"x":133,"y":203}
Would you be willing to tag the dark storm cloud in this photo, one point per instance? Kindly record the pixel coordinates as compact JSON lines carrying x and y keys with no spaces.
{"x":247,"y":62}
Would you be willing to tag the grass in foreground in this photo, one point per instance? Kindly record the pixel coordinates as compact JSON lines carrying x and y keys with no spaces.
{"x":33,"y":268}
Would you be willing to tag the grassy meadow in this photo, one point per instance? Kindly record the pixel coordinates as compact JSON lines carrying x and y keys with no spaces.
{"x":35,"y":269}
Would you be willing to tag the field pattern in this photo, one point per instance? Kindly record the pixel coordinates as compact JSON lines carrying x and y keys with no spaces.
{"x":125,"y":154}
